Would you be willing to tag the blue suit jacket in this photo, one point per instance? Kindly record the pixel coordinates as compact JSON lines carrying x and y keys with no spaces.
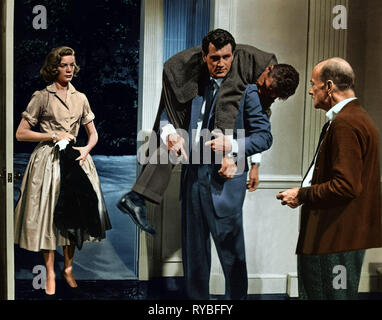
{"x":228,"y":195}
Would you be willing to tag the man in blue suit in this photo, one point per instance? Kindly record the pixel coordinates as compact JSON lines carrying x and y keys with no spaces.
{"x":213,"y":184}
{"x":181,"y":82}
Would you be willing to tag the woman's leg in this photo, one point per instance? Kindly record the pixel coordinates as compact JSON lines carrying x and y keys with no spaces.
{"x":50,"y":287}
{"x":68,"y":268}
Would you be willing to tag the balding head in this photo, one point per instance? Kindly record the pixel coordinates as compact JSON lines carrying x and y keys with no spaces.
{"x":339,"y":71}
{"x":332,"y":81}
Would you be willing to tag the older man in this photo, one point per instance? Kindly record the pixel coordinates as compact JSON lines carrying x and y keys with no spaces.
{"x":340,"y":194}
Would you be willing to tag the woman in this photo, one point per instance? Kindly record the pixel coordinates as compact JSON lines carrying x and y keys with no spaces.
{"x":59,"y":109}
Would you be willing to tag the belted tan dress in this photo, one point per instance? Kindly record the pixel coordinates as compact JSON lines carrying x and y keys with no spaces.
{"x":33,"y":224}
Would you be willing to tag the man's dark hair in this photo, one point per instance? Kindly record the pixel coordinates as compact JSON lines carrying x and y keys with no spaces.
{"x":285,"y":80}
{"x":339,"y":72}
{"x":219,"y":38}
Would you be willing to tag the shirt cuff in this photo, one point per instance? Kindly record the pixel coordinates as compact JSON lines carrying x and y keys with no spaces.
{"x":256,"y":158}
{"x":234,"y":146}
{"x":165,"y":131}
{"x":88,"y":118}
{"x":31,"y":120}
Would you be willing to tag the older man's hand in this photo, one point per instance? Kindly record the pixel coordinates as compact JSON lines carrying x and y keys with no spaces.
{"x":289,"y":198}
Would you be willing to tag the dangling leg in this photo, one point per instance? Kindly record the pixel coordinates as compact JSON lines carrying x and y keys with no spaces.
{"x":50,"y":287}
{"x":68,"y":268}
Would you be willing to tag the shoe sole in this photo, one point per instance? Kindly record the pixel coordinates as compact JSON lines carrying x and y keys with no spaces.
{"x":124,"y":210}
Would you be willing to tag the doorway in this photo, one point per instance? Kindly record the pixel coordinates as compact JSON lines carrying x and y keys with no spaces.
{"x":105,"y":37}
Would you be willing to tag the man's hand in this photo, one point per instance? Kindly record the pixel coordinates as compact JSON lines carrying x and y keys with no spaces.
{"x":289,"y":198}
{"x":175,"y":144}
{"x":253,"y":178}
{"x":220,"y":144}
{"x":228,"y":168}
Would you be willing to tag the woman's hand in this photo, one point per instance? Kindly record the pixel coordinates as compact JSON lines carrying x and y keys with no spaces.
{"x":84,"y":151}
{"x":93,"y":138}
{"x":65,"y":135}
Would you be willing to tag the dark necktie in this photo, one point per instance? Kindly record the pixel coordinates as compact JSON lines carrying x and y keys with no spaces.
{"x":209,"y":100}
{"x":322,"y":135}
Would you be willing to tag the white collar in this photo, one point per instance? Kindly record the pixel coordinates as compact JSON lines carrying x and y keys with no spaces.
{"x":331,"y":114}
{"x":217,"y":81}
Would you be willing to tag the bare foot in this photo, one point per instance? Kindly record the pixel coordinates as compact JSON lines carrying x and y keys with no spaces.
{"x":68,"y":275}
{"x":50,"y":285}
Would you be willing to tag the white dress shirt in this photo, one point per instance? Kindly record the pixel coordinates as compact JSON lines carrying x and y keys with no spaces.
{"x":331,"y":114}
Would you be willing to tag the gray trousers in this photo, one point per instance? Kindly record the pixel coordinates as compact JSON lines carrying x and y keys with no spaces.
{"x":154,"y":178}
{"x":330,"y":276}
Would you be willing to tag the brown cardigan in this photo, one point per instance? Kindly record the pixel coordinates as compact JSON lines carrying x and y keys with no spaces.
{"x":342,"y":209}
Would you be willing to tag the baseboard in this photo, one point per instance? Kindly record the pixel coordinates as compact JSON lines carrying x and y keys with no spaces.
{"x":257,"y":284}
{"x":370,"y":282}
{"x":271,"y":283}
{"x":171,"y":269}
{"x":281,"y":284}
{"x":292,"y":285}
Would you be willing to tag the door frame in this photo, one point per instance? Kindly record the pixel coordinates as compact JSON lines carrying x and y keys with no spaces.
{"x":7,"y":290}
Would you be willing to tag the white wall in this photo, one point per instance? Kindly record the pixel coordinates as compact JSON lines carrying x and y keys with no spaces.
{"x":271,"y":230}
{"x":300,"y":33}
{"x":282,"y":27}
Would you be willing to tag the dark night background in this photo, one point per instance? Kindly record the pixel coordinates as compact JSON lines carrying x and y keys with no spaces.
{"x":105,"y":37}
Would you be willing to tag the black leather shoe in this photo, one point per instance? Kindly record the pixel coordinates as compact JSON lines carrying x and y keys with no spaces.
{"x":50,"y":296}
{"x":73,"y":292}
{"x":134,"y":205}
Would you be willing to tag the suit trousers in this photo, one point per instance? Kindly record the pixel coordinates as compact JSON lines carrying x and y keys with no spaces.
{"x":330,"y":276}
{"x":199,"y":220}
{"x":154,"y":178}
